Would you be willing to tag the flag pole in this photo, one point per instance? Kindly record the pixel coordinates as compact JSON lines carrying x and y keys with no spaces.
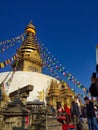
{"x":97,"y":54}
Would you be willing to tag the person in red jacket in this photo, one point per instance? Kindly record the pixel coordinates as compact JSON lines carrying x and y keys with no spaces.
{"x":68,"y":113}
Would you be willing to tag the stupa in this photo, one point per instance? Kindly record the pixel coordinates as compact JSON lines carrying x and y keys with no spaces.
{"x":28,"y":70}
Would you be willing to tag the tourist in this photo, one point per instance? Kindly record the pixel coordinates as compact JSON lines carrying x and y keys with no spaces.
{"x":68,"y":113}
{"x":92,"y":123}
{"x":83,"y":112}
{"x":60,"y":109}
{"x":75,"y":112}
{"x":93,"y":88}
{"x":61,"y":115}
{"x":53,"y":110}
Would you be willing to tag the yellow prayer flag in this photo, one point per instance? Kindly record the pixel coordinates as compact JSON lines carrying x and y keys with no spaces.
{"x":2,"y":65}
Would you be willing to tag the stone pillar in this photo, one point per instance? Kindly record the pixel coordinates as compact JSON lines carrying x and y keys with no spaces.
{"x":16,"y":116}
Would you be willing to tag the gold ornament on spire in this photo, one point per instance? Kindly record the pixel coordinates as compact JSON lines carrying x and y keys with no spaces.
{"x":30,"y":28}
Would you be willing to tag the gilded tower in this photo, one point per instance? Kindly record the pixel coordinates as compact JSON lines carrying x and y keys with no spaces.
{"x":29,"y":58}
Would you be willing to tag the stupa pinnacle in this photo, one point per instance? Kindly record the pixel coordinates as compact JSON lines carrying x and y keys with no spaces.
{"x":29,"y":58}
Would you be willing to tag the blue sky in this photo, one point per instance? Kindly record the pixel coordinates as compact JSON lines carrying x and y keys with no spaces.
{"x":69,"y":29}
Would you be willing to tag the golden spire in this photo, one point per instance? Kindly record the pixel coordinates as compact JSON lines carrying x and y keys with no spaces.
{"x":29,"y":58}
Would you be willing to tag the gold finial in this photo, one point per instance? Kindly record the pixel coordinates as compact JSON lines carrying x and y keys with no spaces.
{"x":30,"y":21}
{"x":31,"y":28}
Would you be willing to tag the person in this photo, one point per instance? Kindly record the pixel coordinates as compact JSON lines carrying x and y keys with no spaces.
{"x":53,"y":110}
{"x":68,"y":113}
{"x":91,"y":117}
{"x":60,"y":115}
{"x":61,"y":118}
{"x":83,"y":112}
{"x":93,"y":88}
{"x":75,"y":112}
{"x":60,"y":109}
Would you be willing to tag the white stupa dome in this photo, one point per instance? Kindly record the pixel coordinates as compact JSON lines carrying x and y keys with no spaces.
{"x":28,"y":60}
{"x":20,"y":79}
